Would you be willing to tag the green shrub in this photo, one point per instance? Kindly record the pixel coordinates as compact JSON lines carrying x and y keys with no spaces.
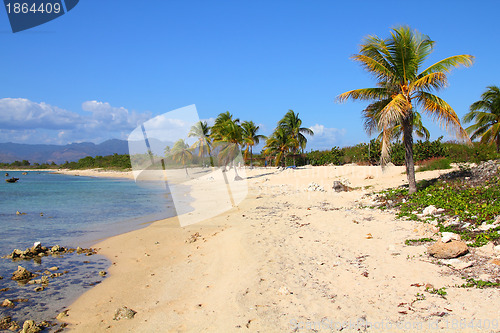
{"x":333,"y":156}
{"x":460,"y":153}
{"x":435,"y":163}
{"x":363,"y":153}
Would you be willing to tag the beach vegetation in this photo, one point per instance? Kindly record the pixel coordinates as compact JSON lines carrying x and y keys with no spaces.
{"x":418,"y":241}
{"x":473,"y":283}
{"x":460,"y":200}
{"x":434,"y":163}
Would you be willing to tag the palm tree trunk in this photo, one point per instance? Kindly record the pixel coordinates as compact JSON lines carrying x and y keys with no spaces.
{"x":251,"y":157}
{"x":236,"y":176}
{"x":408,"y":144}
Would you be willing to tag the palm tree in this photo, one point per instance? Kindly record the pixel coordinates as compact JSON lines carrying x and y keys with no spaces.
{"x":395,"y":62}
{"x":166,"y":151}
{"x":181,"y":153}
{"x":279,"y":144}
{"x":486,"y":114}
{"x":227,"y":137}
{"x":220,"y":121}
{"x":250,"y":138}
{"x":201,"y":130}
{"x":292,"y":124}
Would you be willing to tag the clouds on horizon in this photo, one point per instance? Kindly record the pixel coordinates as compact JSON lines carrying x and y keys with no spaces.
{"x":325,"y":137}
{"x":25,"y":121}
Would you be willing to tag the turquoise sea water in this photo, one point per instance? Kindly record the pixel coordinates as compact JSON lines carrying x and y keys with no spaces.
{"x":69,"y":211}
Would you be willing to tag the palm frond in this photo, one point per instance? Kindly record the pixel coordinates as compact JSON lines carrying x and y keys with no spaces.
{"x":447,"y":64}
{"x":441,"y":112}
{"x":365,"y":94}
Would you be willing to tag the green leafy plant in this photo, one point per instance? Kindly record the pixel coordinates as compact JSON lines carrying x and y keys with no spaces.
{"x":471,"y":282}
{"x":418,"y":241}
{"x":441,"y":291}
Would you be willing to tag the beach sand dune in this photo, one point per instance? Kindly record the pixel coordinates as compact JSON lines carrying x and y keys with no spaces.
{"x":284,"y":260}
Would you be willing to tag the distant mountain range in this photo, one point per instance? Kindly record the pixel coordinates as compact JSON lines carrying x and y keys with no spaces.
{"x":10,"y":152}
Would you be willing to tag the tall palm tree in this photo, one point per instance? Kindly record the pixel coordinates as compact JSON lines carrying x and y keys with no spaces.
{"x":227,"y":138}
{"x":181,"y":153}
{"x":402,"y":86}
{"x":486,"y":114}
{"x":250,"y":138}
{"x":201,"y":130}
{"x":279,"y":144}
{"x":292,"y":124}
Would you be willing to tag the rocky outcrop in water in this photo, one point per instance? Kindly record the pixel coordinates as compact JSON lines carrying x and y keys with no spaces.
{"x":22,"y":274}
{"x":37,"y":251}
{"x":6,"y":323}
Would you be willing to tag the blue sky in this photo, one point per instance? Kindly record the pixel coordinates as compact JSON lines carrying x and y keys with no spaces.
{"x":106,"y":66}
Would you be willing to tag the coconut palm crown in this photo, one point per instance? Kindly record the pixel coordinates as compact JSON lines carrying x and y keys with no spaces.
{"x":486,"y":114}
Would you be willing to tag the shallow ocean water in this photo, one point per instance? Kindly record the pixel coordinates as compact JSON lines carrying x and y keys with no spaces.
{"x":69,"y":211}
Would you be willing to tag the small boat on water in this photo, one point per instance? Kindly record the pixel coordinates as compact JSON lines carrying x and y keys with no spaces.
{"x":24,"y":173}
{"x":6,"y":174}
{"x":12,"y":180}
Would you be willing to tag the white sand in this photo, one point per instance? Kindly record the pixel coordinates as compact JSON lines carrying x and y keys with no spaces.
{"x":284,"y":258}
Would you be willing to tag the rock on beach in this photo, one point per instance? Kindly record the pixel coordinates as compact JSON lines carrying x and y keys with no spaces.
{"x":452,"y":249}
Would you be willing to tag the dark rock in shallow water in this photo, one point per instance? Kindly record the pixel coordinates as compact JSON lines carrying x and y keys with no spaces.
{"x":38,"y":251}
{"x":30,"y":326}
{"x":22,"y":274}
{"x":124,"y":313}
{"x":6,"y":323}
{"x":56,"y":249}
{"x":62,"y":315}
{"x":7,"y":303}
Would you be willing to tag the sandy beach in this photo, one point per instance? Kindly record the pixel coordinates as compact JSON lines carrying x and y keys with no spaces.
{"x":284,"y":260}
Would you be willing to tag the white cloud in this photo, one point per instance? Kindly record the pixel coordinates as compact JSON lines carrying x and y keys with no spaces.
{"x":25,"y":121}
{"x":21,"y":113}
{"x":325,"y":137}
{"x":105,"y":116}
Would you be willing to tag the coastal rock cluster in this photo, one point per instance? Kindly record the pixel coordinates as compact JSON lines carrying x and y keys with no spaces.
{"x":476,"y":175}
{"x":37,"y":251}
{"x":22,"y":274}
{"x":24,"y":278}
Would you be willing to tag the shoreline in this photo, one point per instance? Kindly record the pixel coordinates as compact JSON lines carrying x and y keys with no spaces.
{"x":84,"y":172}
{"x":275,"y":260}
